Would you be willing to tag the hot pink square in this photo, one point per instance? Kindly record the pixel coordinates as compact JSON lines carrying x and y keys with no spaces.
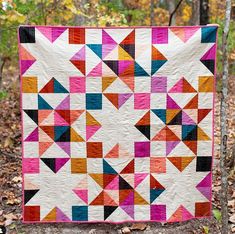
{"x":30,"y":165}
{"x":142,"y":101}
{"x":77,"y":84}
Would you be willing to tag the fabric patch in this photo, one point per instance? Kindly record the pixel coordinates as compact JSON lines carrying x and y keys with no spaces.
{"x":117,"y":123}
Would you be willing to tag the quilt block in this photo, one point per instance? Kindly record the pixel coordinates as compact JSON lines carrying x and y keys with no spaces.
{"x":117,"y":123}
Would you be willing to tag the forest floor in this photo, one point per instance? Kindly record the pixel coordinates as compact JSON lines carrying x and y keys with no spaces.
{"x":10,"y":179}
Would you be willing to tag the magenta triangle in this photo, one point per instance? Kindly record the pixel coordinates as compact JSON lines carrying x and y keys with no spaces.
{"x":210,"y":54}
{"x":33,"y":135}
{"x":80,"y":55}
{"x":60,"y":216}
{"x":129,"y":210}
{"x":186,"y":120}
{"x":60,"y":162}
{"x":106,"y":38}
{"x":129,"y":200}
{"x":171,"y":104}
{"x":56,"y":32}
{"x":25,"y":65}
{"x":178,"y":87}
{"x":82,"y":193}
{"x":170,"y":145}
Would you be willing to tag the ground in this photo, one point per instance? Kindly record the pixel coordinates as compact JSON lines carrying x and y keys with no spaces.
{"x":10,"y":178}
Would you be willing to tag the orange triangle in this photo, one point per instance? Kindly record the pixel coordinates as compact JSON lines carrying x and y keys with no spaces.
{"x":74,"y":137}
{"x":202,"y":113}
{"x":145,"y":120}
{"x":193,"y":103}
{"x":25,"y":55}
{"x":130,"y":39}
{"x":138,"y":200}
{"x":187,"y":88}
{"x":129,"y":81}
{"x":201,"y":135}
{"x":49,"y":130}
{"x":129,"y":168}
{"x":74,"y":115}
{"x":180,"y":162}
{"x":107,"y":81}
{"x":43,"y":114}
{"x":157,"y":55}
{"x":113,"y":153}
{"x":108,"y":201}
{"x":192,"y":145}
{"x":129,"y":71}
{"x":98,"y":178}
{"x":108,"y":178}
{"x":154,"y":184}
{"x":113,"y":98}
{"x":179,"y":32}
{"x":123,"y":194}
{"x":43,"y":146}
{"x":99,"y":200}
{"x":170,"y":114}
{"x":80,"y":65}
{"x":51,"y":216}
{"x":90,"y":120}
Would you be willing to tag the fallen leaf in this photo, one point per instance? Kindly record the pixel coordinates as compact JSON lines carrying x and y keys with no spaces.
{"x":232,"y":218}
{"x":126,"y":230}
{"x":138,"y":226}
{"x":17,"y":179}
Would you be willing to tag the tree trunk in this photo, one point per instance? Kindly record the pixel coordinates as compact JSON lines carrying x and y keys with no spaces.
{"x":223,"y":119}
{"x":195,"y":20}
{"x":80,"y":20}
{"x":152,"y":13}
{"x":171,"y":8}
{"x":204,"y":12}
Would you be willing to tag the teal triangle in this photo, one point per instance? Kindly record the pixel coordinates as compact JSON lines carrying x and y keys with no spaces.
{"x":161,"y":114}
{"x":154,"y":193}
{"x":42,"y":104}
{"x":107,"y":168}
{"x":58,"y":88}
{"x":59,"y":131}
{"x":156,"y":64}
{"x":96,"y":48}
{"x":139,"y":71}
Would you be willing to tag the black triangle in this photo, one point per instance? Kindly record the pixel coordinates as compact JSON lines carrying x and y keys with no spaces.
{"x":33,"y":114}
{"x":144,"y":129}
{"x":65,"y":137}
{"x":50,"y":162}
{"x":28,"y":194}
{"x":192,"y":135}
{"x":123,"y":184}
{"x":129,"y":48}
{"x":210,"y":64}
{"x":108,"y":210}
{"x":113,"y":65}
{"x":177,"y":120}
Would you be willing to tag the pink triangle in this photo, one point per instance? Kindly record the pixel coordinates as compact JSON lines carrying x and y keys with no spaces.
{"x":107,"y":48}
{"x":129,"y":209}
{"x":80,"y":55}
{"x":60,"y":216}
{"x":64,"y":105}
{"x":186,"y":215}
{"x":106,"y":38}
{"x":83,"y":194}
{"x":25,"y":65}
{"x":205,"y":186}
{"x":206,"y":182}
{"x":210,"y":54}
{"x":114,"y":184}
{"x":96,"y":71}
{"x":178,"y":87}
{"x":122,"y":98}
{"x":171,"y":104}
{"x":170,"y":145}
{"x":129,"y":201}
{"x":51,"y":33}
{"x":189,"y":32}
{"x":59,"y":121}
{"x":91,"y":130}
{"x":60,"y":162}
{"x":33,"y":135}
{"x":139,"y":178}
{"x":65,"y":146}
{"x":186,"y":120}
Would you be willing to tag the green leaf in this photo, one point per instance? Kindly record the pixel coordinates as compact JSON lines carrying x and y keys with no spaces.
{"x":217,"y":215}
{"x":206,"y":229}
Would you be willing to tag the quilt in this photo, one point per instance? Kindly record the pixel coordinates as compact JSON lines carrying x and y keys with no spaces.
{"x":117,"y":123}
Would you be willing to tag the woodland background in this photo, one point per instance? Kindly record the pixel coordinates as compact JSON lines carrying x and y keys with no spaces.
{"x":105,"y":13}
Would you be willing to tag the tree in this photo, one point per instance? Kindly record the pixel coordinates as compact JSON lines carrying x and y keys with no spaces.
{"x":204,"y":12}
{"x":223,"y":119}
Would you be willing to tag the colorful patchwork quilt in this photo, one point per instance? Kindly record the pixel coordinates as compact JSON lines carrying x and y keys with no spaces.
{"x":117,"y":123}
